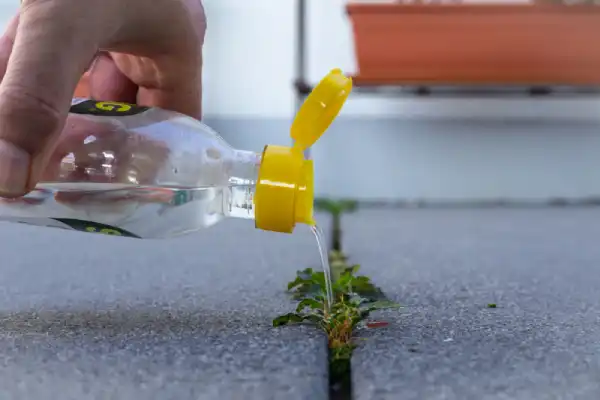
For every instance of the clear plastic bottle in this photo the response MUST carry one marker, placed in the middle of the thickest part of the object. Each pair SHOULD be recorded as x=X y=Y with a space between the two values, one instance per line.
x=142 y=172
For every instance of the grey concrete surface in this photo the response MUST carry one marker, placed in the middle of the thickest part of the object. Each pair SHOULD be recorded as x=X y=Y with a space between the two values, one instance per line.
x=86 y=316
x=542 y=269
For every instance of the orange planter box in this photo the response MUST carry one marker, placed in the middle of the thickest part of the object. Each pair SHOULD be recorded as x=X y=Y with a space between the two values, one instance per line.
x=539 y=44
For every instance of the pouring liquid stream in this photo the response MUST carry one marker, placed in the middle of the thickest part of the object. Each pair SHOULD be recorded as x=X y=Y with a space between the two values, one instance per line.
x=322 y=244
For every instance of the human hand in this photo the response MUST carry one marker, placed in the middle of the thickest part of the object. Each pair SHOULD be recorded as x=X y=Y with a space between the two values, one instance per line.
x=142 y=52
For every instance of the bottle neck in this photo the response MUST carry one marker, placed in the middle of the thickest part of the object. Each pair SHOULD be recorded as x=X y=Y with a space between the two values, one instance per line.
x=245 y=167
x=243 y=177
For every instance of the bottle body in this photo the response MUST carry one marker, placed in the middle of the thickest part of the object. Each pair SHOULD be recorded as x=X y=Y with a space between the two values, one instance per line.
x=132 y=171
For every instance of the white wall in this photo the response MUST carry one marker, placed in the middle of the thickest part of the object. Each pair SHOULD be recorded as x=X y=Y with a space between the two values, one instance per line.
x=382 y=148
x=250 y=54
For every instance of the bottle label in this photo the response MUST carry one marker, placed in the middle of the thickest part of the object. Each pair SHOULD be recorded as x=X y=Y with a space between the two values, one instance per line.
x=74 y=224
x=95 y=227
x=105 y=108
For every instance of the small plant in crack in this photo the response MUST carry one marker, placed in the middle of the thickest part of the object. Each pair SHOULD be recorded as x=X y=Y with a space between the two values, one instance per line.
x=355 y=298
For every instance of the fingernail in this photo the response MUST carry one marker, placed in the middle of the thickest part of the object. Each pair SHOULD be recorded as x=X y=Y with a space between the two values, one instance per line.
x=14 y=169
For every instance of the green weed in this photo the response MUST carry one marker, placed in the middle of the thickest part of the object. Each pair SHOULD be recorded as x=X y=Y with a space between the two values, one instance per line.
x=355 y=298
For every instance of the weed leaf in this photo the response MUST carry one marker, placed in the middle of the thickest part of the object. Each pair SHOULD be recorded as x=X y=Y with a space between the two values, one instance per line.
x=287 y=319
x=309 y=303
x=382 y=305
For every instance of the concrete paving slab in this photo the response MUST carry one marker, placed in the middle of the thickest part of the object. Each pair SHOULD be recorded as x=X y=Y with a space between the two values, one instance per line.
x=94 y=317
x=541 y=267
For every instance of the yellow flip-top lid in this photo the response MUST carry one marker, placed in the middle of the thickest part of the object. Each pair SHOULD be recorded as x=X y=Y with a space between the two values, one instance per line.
x=285 y=188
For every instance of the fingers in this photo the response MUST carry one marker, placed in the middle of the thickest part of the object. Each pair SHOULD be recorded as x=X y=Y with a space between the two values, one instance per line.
x=108 y=83
x=183 y=92
x=171 y=79
x=83 y=86
x=6 y=44
x=185 y=98
x=35 y=93
x=46 y=50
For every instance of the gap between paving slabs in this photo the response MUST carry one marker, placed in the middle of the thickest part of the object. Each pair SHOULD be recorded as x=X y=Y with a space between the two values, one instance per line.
x=355 y=298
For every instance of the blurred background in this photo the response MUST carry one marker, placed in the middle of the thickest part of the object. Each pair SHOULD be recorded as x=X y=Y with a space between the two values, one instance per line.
x=453 y=103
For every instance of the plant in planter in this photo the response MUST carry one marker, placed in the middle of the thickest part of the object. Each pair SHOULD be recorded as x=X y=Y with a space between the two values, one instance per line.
x=336 y=208
x=533 y=44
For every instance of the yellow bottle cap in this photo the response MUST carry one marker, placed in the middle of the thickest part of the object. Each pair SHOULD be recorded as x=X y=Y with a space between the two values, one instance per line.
x=285 y=188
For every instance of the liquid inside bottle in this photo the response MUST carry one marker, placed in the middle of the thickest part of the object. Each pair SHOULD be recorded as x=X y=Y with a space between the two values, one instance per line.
x=148 y=173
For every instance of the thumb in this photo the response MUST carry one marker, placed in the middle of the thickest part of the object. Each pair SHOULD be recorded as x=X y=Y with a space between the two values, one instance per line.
x=48 y=58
